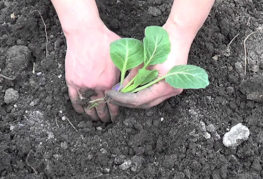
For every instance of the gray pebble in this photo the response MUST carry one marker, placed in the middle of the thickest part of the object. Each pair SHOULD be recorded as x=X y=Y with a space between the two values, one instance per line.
x=11 y=96
x=230 y=90
x=238 y=67
x=136 y=163
x=126 y=165
x=211 y=128
x=154 y=11
x=119 y=159
x=64 y=145
x=17 y=59
x=256 y=165
x=169 y=161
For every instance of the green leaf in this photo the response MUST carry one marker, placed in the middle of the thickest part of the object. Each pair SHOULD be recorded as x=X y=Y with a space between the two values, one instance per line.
x=156 y=45
x=143 y=77
x=187 y=77
x=126 y=53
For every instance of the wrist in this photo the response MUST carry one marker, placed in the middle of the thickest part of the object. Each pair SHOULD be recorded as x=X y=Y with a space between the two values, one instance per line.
x=74 y=15
x=181 y=37
x=181 y=32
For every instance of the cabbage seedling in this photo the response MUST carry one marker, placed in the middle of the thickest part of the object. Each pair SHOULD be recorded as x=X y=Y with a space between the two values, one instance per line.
x=128 y=53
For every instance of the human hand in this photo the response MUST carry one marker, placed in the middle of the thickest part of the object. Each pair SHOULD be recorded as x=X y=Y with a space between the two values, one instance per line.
x=89 y=69
x=180 y=46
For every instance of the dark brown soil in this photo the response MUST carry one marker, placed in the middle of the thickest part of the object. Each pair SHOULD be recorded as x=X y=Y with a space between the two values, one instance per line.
x=42 y=137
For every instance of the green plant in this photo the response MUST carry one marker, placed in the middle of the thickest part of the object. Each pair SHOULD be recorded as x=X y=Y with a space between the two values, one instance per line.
x=129 y=53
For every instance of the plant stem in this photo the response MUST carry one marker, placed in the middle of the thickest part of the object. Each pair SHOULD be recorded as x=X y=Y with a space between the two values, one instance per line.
x=149 y=84
x=122 y=78
x=129 y=84
x=97 y=100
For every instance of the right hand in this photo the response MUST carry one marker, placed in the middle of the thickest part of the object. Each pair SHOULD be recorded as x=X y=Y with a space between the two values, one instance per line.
x=89 y=69
x=161 y=91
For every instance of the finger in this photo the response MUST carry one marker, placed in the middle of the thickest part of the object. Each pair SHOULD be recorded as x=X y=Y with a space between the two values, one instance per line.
x=91 y=112
x=157 y=101
x=132 y=100
x=163 y=98
x=142 y=99
x=102 y=109
x=113 y=110
x=74 y=98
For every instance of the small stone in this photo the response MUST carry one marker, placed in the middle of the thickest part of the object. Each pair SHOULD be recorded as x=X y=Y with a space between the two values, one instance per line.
x=260 y=137
x=106 y=170
x=236 y=135
x=11 y=96
x=203 y=127
x=39 y=73
x=64 y=145
x=207 y=135
x=102 y=150
x=136 y=163
x=119 y=159
x=255 y=68
x=126 y=165
x=230 y=90
x=149 y=112
x=169 y=161
x=34 y=102
x=12 y=16
x=64 y=118
x=90 y=156
x=12 y=127
x=99 y=128
x=17 y=59
x=48 y=100
x=211 y=128
x=217 y=136
x=238 y=67
x=154 y=11
x=230 y=68
x=215 y=57
x=256 y=165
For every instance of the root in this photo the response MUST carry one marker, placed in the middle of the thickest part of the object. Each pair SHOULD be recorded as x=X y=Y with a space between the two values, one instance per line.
x=96 y=102
x=7 y=78
x=72 y=124
x=227 y=52
x=28 y=164
x=42 y=19
x=245 y=49
x=228 y=46
x=57 y=122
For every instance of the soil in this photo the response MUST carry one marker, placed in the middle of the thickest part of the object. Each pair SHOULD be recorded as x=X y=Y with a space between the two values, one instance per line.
x=42 y=137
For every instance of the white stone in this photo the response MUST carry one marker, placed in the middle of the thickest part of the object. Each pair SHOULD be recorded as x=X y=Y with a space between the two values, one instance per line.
x=236 y=135
x=126 y=165
x=11 y=96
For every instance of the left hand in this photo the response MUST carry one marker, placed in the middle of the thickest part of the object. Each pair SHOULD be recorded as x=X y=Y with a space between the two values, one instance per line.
x=161 y=91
